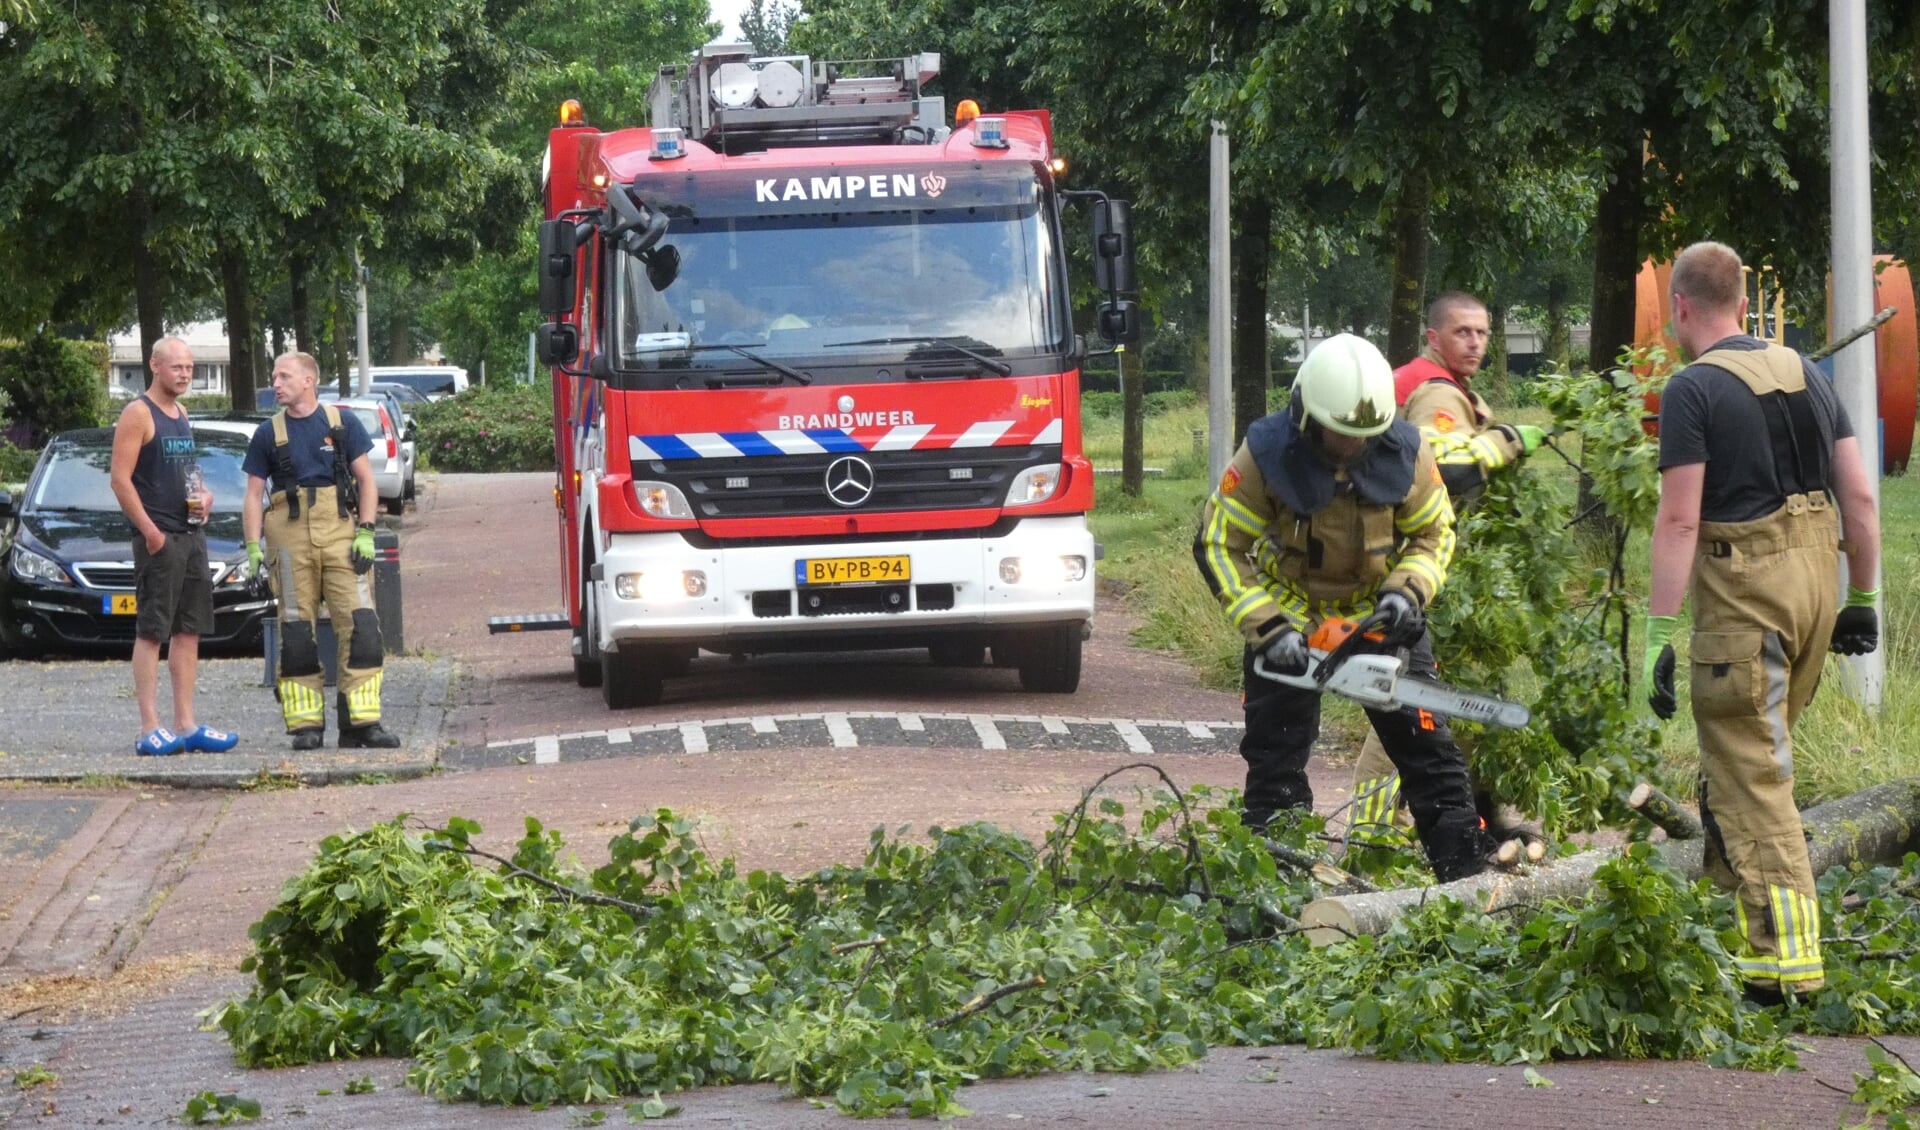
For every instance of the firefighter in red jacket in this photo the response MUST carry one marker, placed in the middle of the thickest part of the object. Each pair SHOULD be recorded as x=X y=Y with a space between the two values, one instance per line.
x=1434 y=392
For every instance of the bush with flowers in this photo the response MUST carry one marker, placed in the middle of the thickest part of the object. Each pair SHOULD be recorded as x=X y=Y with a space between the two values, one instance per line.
x=497 y=427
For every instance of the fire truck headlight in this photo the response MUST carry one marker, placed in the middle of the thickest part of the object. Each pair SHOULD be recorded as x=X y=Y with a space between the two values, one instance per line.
x=693 y=582
x=661 y=500
x=1043 y=572
x=1034 y=485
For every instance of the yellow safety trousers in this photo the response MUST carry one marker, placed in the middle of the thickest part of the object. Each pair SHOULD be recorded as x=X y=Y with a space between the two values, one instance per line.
x=307 y=557
x=1764 y=601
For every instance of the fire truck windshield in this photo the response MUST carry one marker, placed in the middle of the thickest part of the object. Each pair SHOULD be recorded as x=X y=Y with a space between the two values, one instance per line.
x=845 y=269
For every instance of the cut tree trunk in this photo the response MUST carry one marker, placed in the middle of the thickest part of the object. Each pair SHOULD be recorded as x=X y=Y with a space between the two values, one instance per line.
x=1875 y=826
x=1664 y=812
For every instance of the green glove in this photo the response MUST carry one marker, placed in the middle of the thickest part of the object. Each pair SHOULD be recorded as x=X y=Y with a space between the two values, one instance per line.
x=256 y=557
x=1531 y=437
x=362 y=553
x=1861 y=598
x=1656 y=672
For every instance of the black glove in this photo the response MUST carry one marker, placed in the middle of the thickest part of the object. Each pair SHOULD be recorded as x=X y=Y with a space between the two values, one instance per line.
x=1660 y=694
x=1286 y=653
x=1399 y=618
x=1856 y=632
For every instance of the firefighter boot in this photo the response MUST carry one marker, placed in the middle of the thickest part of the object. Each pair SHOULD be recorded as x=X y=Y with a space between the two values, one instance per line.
x=1517 y=840
x=369 y=735
x=307 y=739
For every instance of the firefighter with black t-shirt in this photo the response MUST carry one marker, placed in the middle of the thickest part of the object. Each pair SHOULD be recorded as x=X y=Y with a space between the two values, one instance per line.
x=318 y=522
x=1762 y=487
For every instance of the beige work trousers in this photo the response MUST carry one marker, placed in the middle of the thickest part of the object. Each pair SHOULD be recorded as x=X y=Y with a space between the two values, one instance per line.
x=308 y=559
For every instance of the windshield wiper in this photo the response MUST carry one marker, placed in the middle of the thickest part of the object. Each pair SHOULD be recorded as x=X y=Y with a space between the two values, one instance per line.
x=992 y=363
x=786 y=371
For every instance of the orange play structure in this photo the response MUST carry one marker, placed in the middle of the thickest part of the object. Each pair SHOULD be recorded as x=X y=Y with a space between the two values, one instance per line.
x=1896 y=343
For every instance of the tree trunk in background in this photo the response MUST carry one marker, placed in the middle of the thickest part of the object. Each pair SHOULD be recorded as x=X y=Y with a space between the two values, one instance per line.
x=149 y=287
x=1616 y=260
x=1494 y=381
x=1133 y=420
x=235 y=289
x=277 y=334
x=1616 y=266
x=1412 y=219
x=342 y=334
x=303 y=339
x=1250 y=368
x=399 y=338
x=1559 y=343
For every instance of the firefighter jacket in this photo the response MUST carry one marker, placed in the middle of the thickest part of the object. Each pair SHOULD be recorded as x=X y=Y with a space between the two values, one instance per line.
x=1288 y=539
x=1456 y=423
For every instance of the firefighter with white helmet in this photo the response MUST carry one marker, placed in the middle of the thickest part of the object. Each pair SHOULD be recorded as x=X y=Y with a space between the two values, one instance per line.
x=1333 y=508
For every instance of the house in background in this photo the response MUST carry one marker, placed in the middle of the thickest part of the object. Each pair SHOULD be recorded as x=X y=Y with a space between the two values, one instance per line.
x=127 y=366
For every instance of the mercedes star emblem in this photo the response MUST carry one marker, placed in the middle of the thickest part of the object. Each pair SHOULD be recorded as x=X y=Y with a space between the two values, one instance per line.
x=849 y=481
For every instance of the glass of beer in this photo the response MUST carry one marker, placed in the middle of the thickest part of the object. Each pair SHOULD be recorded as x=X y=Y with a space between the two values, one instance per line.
x=196 y=496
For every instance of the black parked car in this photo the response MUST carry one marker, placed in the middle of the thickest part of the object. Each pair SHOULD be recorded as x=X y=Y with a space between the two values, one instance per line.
x=66 y=550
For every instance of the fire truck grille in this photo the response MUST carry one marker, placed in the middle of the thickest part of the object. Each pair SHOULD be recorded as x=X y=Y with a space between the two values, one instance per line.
x=974 y=478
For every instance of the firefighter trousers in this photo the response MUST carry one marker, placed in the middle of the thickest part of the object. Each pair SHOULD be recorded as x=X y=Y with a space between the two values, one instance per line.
x=308 y=559
x=1282 y=724
x=1378 y=811
x=1764 y=601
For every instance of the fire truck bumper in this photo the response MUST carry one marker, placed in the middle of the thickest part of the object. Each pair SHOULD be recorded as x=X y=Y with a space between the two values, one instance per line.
x=660 y=588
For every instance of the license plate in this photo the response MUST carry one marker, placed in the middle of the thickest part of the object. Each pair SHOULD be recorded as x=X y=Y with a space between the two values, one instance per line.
x=852 y=570
x=119 y=604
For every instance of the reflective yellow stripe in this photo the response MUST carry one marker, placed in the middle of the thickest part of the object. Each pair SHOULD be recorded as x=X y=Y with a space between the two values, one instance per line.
x=1429 y=512
x=363 y=702
x=1236 y=513
x=301 y=705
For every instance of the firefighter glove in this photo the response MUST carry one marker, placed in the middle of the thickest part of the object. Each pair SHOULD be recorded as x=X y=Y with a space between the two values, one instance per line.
x=1531 y=437
x=1657 y=671
x=1400 y=618
x=1286 y=653
x=362 y=552
x=255 y=557
x=1857 y=631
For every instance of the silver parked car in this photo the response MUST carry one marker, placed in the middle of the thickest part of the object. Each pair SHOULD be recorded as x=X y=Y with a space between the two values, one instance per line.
x=393 y=450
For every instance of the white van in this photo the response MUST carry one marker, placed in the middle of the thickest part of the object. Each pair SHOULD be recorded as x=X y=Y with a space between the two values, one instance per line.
x=435 y=382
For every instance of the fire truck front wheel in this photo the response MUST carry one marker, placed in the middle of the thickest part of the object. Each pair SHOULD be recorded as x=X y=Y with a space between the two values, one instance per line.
x=1049 y=658
x=630 y=676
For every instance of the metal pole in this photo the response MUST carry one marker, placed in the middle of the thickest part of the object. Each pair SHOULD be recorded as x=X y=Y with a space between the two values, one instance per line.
x=1854 y=369
x=1219 y=308
x=360 y=325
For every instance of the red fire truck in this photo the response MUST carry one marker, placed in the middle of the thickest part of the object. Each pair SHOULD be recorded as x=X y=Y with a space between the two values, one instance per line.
x=815 y=380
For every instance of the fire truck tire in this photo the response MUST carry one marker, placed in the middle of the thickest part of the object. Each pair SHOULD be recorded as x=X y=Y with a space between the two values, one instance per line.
x=586 y=668
x=630 y=677
x=959 y=652
x=1050 y=659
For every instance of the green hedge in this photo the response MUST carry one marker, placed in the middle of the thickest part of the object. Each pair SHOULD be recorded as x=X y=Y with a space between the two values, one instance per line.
x=501 y=427
x=52 y=384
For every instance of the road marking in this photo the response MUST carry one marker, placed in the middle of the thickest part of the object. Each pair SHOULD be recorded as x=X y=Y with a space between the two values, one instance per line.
x=841 y=731
x=1136 y=741
x=988 y=730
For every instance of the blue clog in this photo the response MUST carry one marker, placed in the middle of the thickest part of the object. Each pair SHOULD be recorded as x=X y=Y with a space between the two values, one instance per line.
x=206 y=739
x=159 y=742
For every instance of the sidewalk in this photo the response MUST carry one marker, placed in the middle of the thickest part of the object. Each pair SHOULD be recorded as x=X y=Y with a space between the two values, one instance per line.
x=75 y=720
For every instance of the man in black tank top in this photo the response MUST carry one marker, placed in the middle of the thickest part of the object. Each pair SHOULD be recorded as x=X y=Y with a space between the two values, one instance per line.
x=153 y=450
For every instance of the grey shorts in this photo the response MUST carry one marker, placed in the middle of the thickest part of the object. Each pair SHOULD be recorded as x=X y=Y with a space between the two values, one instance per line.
x=174 y=588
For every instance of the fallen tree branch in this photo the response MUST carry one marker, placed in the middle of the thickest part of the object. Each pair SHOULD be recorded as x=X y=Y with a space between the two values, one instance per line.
x=513 y=871
x=1852 y=335
x=985 y=1000
x=1873 y=826
x=1664 y=812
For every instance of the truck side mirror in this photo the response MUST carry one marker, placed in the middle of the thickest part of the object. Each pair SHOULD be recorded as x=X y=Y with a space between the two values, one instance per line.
x=559 y=244
x=1120 y=321
x=557 y=343
x=1113 y=269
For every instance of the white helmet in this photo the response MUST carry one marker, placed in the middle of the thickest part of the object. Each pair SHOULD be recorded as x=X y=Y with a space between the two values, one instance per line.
x=1346 y=385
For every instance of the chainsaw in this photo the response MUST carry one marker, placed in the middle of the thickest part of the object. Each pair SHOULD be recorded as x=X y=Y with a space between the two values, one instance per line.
x=1339 y=660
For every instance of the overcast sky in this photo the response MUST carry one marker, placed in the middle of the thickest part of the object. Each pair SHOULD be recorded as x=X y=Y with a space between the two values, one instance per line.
x=728 y=12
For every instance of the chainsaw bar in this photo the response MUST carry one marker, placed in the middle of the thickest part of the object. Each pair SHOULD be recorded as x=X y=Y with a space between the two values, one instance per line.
x=1453 y=702
x=1374 y=681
